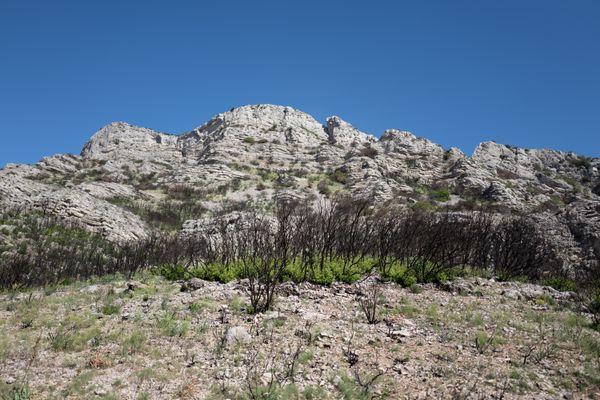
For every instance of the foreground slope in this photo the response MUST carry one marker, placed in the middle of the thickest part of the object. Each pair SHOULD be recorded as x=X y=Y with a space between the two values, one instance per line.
x=148 y=340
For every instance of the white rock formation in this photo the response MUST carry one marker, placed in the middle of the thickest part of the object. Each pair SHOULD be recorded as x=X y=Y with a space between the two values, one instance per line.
x=259 y=152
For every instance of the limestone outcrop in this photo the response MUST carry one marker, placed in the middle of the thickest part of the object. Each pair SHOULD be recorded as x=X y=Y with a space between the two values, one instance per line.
x=260 y=152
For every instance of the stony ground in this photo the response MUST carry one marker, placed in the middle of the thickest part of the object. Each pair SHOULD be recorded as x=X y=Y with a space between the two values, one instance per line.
x=147 y=339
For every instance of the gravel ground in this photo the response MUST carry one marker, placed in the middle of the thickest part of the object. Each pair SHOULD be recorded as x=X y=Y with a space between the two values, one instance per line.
x=147 y=339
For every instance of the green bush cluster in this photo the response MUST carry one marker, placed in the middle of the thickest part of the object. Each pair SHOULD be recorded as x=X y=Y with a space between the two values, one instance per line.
x=561 y=284
x=333 y=270
x=440 y=195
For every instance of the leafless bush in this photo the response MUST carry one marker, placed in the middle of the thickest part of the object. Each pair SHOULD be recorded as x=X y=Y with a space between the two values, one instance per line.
x=259 y=263
x=365 y=377
x=295 y=241
x=518 y=248
x=351 y=355
x=543 y=346
x=370 y=303
x=367 y=380
x=589 y=276
x=265 y=252
x=270 y=370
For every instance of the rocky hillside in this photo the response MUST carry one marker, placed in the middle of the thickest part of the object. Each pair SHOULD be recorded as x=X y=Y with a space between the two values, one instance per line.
x=129 y=180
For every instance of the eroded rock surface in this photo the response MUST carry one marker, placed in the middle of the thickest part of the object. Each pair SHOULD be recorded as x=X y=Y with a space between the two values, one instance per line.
x=261 y=152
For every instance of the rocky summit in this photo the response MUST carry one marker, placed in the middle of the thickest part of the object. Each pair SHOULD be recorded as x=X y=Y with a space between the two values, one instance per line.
x=260 y=152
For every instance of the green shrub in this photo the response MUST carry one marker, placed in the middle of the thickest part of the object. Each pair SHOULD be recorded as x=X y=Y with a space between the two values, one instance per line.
x=199 y=307
x=406 y=280
x=16 y=392
x=218 y=272
x=415 y=288
x=440 y=195
x=349 y=389
x=267 y=175
x=422 y=206
x=440 y=277
x=581 y=162
x=111 y=309
x=322 y=277
x=358 y=387
x=133 y=343
x=210 y=272
x=339 y=176
x=561 y=284
x=555 y=200
x=170 y=325
x=62 y=340
x=545 y=299
x=249 y=140
x=175 y=272
x=483 y=341
x=333 y=271
x=314 y=393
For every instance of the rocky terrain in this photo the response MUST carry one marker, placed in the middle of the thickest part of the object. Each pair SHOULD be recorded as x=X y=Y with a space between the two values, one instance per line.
x=148 y=339
x=256 y=153
x=158 y=266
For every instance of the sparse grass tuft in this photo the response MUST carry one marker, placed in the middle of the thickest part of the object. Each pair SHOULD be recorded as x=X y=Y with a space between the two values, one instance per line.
x=133 y=343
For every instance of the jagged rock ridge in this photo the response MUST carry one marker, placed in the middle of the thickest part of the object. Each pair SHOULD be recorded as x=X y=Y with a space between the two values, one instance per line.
x=259 y=152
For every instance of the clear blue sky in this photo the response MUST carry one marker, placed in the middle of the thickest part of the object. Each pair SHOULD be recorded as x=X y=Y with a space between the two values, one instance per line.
x=523 y=72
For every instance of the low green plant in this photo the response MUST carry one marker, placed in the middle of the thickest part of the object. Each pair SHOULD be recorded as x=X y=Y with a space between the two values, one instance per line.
x=546 y=299
x=16 y=392
x=133 y=343
x=305 y=357
x=339 y=176
x=483 y=341
x=581 y=162
x=590 y=346
x=62 y=339
x=561 y=284
x=361 y=386
x=314 y=393
x=170 y=325
x=415 y=288
x=334 y=270
x=406 y=308
x=111 y=309
x=237 y=304
x=78 y=386
x=423 y=206
x=442 y=195
x=200 y=306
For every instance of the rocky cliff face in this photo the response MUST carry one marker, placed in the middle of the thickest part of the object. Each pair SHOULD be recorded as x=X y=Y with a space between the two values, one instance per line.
x=256 y=153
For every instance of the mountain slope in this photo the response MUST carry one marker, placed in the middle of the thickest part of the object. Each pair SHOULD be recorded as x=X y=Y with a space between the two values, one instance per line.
x=126 y=176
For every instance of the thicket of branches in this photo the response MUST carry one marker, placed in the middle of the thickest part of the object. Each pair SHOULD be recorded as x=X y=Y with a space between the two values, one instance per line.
x=39 y=249
x=356 y=237
x=590 y=283
x=341 y=239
